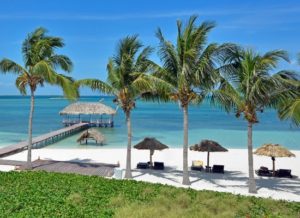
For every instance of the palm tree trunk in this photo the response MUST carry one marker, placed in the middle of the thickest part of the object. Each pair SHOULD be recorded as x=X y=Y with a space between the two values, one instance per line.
x=128 y=174
x=186 y=179
x=29 y=164
x=273 y=161
x=208 y=158
x=252 y=183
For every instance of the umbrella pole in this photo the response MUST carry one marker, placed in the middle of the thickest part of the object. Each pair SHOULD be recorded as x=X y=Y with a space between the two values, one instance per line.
x=208 y=158
x=151 y=159
x=273 y=159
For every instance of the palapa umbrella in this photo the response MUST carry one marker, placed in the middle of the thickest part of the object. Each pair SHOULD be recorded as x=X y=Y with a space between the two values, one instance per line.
x=151 y=144
x=273 y=151
x=91 y=134
x=208 y=146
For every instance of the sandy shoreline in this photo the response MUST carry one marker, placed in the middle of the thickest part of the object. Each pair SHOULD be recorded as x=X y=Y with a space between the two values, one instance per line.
x=234 y=180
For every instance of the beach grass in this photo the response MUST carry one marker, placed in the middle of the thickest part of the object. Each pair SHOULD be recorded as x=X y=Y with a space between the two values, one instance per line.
x=42 y=194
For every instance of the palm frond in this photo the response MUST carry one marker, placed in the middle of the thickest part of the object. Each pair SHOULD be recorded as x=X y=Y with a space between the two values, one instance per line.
x=29 y=53
x=143 y=64
x=61 y=61
x=44 y=70
x=272 y=57
x=290 y=109
x=168 y=55
x=68 y=86
x=22 y=82
x=9 y=66
x=95 y=84
x=225 y=96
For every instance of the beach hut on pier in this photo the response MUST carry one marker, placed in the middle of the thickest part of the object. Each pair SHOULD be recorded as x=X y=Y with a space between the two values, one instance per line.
x=96 y=114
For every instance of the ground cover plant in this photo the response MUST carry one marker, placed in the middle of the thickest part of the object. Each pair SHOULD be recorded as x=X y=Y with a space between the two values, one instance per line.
x=42 y=194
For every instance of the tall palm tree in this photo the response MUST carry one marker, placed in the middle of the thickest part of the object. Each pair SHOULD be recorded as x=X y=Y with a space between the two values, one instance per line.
x=40 y=65
x=249 y=87
x=129 y=78
x=190 y=66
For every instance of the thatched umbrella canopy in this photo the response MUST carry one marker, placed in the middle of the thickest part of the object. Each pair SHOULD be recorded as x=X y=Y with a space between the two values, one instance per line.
x=87 y=108
x=91 y=134
x=273 y=151
x=151 y=144
x=208 y=146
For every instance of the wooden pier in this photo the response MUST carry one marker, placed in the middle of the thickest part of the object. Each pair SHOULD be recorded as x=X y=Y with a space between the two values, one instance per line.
x=92 y=123
x=43 y=140
x=83 y=168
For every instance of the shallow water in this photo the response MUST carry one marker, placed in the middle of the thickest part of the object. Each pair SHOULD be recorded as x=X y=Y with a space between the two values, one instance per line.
x=163 y=121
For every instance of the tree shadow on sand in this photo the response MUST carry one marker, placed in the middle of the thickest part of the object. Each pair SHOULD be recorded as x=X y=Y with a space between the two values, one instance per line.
x=237 y=178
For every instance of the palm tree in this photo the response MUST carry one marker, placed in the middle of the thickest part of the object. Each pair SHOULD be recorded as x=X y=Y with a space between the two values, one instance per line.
x=190 y=66
x=129 y=78
x=40 y=64
x=249 y=88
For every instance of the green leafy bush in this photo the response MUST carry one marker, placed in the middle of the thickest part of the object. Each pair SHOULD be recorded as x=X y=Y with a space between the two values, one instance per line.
x=42 y=194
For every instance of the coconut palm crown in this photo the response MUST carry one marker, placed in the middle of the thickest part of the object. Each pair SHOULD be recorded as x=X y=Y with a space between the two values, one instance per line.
x=190 y=66
x=129 y=78
x=248 y=87
x=40 y=66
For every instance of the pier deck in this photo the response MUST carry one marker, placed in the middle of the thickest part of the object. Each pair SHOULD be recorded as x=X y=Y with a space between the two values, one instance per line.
x=83 y=168
x=97 y=169
x=43 y=140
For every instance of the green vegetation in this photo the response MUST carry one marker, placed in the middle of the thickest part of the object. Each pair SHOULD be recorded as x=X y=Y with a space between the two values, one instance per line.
x=68 y=195
x=40 y=66
x=290 y=107
x=190 y=66
x=129 y=78
x=248 y=87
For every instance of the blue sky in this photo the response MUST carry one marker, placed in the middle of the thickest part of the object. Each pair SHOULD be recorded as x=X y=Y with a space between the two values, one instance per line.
x=91 y=29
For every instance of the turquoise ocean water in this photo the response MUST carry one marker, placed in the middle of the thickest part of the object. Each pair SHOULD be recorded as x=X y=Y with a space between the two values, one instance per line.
x=163 y=121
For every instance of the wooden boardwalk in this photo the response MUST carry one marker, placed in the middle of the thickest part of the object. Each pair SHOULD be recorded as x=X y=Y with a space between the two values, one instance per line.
x=43 y=140
x=83 y=168
x=97 y=169
x=12 y=162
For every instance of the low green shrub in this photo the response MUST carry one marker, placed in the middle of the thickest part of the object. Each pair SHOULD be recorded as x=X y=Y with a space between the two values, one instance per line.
x=42 y=194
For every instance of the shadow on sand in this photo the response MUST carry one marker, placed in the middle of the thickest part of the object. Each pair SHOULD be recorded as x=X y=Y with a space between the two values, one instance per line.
x=232 y=178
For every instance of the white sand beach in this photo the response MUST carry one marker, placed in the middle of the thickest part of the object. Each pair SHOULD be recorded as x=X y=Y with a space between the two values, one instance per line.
x=234 y=180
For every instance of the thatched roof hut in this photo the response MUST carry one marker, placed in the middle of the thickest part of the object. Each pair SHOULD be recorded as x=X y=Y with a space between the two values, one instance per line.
x=208 y=146
x=87 y=108
x=91 y=134
x=273 y=151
